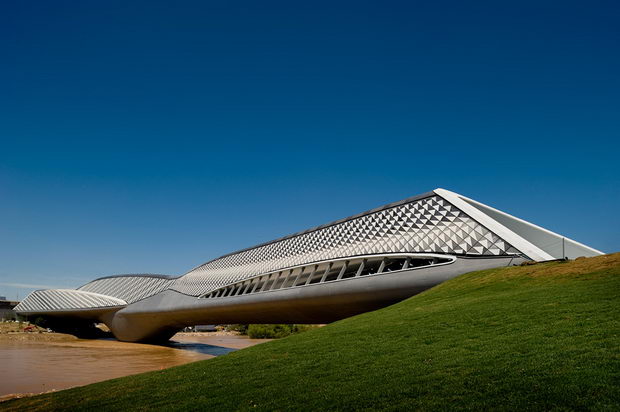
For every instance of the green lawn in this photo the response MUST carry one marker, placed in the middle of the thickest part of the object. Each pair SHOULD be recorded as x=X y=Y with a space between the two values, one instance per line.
x=545 y=336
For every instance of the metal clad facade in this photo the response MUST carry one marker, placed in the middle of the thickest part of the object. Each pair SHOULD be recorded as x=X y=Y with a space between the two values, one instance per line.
x=428 y=225
x=61 y=299
x=128 y=288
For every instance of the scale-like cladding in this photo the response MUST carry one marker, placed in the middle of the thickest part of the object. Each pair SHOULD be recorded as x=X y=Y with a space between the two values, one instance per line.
x=323 y=274
x=66 y=299
x=112 y=291
x=426 y=225
x=130 y=288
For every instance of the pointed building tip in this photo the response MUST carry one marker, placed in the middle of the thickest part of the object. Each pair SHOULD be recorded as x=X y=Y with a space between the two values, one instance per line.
x=441 y=190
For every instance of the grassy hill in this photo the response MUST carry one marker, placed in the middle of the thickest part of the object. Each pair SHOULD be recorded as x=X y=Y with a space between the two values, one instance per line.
x=545 y=336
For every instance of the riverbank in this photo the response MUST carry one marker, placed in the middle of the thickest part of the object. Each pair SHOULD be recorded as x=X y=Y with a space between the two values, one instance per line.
x=13 y=331
x=540 y=337
x=40 y=361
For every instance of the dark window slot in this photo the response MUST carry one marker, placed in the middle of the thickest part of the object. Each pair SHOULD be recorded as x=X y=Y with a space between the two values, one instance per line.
x=312 y=274
x=382 y=265
x=244 y=288
x=254 y=287
x=279 y=281
x=292 y=278
x=316 y=278
x=416 y=263
x=324 y=272
x=286 y=282
x=371 y=267
x=351 y=270
x=333 y=272
x=268 y=283
x=259 y=285
x=393 y=264
x=303 y=278
x=363 y=264
x=343 y=269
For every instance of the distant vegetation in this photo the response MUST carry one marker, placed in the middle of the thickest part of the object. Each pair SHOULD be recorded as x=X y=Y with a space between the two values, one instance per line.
x=270 y=331
x=276 y=331
x=541 y=337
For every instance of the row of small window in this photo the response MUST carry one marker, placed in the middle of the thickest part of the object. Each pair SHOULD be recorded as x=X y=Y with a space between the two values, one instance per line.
x=324 y=272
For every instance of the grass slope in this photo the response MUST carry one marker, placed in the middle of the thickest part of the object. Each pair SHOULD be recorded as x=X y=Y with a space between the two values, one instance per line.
x=545 y=336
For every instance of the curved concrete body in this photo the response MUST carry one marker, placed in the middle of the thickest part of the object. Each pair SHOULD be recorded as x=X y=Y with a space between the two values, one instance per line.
x=328 y=273
x=320 y=303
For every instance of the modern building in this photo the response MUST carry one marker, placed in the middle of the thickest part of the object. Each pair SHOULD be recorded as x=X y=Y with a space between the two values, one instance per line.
x=320 y=275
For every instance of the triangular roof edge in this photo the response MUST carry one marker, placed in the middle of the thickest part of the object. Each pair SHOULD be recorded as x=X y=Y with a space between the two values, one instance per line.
x=522 y=244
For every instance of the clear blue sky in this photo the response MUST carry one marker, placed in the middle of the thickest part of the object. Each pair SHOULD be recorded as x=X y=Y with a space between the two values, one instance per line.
x=155 y=136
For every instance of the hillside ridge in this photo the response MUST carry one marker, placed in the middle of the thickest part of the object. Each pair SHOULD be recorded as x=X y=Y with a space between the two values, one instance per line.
x=544 y=336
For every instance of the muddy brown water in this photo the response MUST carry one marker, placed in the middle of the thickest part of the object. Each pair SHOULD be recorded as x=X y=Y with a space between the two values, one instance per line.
x=42 y=366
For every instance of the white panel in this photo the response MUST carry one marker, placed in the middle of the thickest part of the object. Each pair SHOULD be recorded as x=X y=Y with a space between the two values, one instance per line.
x=536 y=242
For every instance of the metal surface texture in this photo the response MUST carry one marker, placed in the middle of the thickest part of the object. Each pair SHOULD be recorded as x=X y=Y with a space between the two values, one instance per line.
x=430 y=225
x=130 y=288
x=320 y=275
x=63 y=299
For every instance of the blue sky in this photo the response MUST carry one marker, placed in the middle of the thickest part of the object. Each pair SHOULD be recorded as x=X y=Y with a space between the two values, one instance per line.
x=154 y=136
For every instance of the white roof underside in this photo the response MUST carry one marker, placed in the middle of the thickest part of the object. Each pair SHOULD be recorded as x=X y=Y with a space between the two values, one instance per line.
x=534 y=241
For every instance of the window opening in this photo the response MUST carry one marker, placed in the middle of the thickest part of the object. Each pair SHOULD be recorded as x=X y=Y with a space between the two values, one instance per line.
x=382 y=265
x=312 y=275
x=334 y=271
x=351 y=270
x=279 y=281
x=301 y=279
x=361 y=268
x=392 y=265
x=371 y=267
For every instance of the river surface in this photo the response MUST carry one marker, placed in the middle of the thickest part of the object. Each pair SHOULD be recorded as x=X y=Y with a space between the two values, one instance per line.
x=40 y=366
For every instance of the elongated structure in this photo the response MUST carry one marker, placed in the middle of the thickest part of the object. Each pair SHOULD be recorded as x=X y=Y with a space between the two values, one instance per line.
x=321 y=275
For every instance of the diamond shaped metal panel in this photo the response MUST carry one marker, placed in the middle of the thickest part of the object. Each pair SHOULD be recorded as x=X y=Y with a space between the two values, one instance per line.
x=128 y=288
x=65 y=299
x=428 y=225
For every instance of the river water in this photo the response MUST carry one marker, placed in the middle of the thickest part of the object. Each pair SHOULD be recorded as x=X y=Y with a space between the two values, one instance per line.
x=42 y=366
